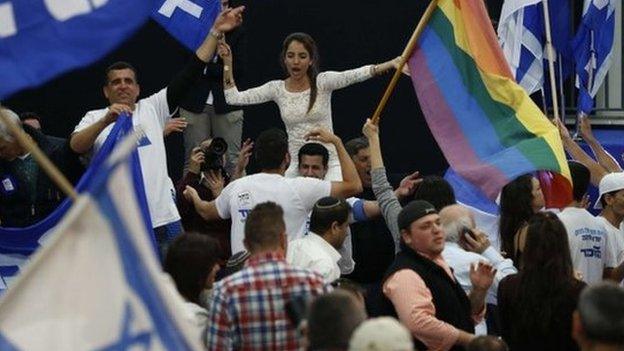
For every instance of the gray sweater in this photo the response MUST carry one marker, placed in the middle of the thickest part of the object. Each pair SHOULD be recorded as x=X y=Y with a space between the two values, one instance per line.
x=388 y=203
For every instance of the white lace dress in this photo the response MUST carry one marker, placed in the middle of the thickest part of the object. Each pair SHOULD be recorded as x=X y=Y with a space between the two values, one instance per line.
x=294 y=110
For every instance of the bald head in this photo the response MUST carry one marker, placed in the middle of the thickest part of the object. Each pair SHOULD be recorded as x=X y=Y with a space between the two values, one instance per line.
x=453 y=218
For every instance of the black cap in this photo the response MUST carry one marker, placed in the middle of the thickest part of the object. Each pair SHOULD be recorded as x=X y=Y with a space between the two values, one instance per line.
x=413 y=212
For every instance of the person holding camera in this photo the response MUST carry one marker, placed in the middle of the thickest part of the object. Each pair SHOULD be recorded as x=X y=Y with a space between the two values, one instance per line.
x=207 y=175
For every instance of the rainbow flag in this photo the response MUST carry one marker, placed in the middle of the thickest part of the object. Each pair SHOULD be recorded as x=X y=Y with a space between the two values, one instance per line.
x=488 y=128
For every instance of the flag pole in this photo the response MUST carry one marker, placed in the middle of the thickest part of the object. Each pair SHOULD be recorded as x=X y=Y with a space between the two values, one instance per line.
x=44 y=162
x=550 y=54
x=404 y=57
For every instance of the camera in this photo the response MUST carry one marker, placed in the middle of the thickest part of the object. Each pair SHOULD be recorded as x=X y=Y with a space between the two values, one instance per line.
x=213 y=155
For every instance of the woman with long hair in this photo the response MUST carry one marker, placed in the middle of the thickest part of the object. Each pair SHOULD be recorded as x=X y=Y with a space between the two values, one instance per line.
x=520 y=200
x=536 y=305
x=304 y=97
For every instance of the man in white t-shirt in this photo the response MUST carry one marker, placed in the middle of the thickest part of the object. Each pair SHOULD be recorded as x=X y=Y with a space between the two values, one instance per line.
x=318 y=250
x=150 y=115
x=296 y=196
x=611 y=201
x=590 y=248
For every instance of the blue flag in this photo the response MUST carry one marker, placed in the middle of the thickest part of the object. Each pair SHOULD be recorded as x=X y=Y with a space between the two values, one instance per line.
x=189 y=21
x=18 y=244
x=97 y=283
x=40 y=39
x=593 y=45
x=522 y=35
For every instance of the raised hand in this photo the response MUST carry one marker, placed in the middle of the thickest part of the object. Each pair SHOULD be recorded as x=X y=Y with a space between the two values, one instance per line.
x=215 y=181
x=224 y=51
x=370 y=129
x=478 y=243
x=585 y=129
x=322 y=135
x=482 y=275
x=229 y=19
x=196 y=160
x=408 y=185
x=243 y=158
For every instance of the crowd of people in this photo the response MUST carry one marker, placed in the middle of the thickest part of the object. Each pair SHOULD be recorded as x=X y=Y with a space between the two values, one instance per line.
x=321 y=249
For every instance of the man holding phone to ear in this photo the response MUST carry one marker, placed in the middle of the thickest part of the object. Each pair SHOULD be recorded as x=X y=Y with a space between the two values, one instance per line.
x=465 y=244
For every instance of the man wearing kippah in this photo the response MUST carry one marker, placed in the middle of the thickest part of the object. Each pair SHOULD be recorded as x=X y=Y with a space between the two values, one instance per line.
x=419 y=287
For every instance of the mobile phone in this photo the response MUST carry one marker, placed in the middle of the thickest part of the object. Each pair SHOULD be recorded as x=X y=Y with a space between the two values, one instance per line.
x=465 y=230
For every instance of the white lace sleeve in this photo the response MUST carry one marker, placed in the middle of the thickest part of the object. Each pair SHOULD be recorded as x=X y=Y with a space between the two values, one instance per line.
x=257 y=95
x=331 y=80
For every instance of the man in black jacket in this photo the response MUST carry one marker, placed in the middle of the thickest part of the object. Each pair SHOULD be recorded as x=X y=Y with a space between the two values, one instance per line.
x=27 y=195
x=204 y=108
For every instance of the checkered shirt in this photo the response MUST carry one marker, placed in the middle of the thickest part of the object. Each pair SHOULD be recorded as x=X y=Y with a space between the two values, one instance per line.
x=248 y=308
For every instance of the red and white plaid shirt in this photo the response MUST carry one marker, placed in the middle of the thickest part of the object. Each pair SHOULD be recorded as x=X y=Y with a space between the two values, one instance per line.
x=248 y=308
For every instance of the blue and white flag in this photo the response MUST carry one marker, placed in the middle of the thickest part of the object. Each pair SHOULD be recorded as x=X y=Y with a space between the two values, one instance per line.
x=18 y=244
x=593 y=45
x=40 y=39
x=189 y=21
x=97 y=284
x=522 y=35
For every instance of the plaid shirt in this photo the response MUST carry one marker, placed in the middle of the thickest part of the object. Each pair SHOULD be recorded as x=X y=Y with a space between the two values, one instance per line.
x=248 y=308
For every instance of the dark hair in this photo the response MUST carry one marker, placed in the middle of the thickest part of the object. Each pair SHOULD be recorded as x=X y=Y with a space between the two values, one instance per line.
x=313 y=71
x=29 y=115
x=314 y=149
x=487 y=343
x=326 y=211
x=190 y=259
x=546 y=277
x=435 y=190
x=270 y=148
x=354 y=146
x=580 y=179
x=601 y=308
x=515 y=211
x=119 y=66
x=332 y=318
x=264 y=226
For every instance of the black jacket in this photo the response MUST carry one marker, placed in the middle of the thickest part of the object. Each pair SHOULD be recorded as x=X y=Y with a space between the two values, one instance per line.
x=212 y=79
x=17 y=208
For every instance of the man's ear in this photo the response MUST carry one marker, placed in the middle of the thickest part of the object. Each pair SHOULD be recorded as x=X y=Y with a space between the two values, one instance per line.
x=406 y=237
x=284 y=241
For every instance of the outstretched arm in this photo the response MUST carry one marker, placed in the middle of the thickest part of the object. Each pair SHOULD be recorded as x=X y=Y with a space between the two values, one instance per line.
x=332 y=80
x=578 y=154
x=604 y=158
x=183 y=81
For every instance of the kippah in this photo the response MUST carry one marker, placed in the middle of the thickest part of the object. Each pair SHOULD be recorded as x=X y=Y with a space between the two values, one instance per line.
x=327 y=202
x=413 y=212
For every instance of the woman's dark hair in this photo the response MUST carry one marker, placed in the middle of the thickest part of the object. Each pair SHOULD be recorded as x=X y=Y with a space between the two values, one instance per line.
x=435 y=190
x=190 y=259
x=515 y=211
x=310 y=45
x=546 y=276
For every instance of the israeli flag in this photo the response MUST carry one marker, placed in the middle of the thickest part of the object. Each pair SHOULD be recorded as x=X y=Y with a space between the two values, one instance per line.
x=189 y=21
x=593 y=47
x=18 y=244
x=522 y=36
x=40 y=39
x=97 y=285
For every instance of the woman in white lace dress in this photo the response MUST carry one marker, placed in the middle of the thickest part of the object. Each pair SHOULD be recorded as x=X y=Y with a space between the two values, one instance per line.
x=304 y=97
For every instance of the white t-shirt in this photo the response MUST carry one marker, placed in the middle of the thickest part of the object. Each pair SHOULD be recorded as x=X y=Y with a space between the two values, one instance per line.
x=150 y=114
x=297 y=196
x=616 y=236
x=590 y=247
x=314 y=253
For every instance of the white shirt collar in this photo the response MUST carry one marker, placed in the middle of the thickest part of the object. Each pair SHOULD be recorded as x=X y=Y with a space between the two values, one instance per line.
x=323 y=244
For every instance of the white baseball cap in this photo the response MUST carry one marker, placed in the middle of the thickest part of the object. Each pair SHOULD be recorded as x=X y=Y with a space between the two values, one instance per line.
x=609 y=183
